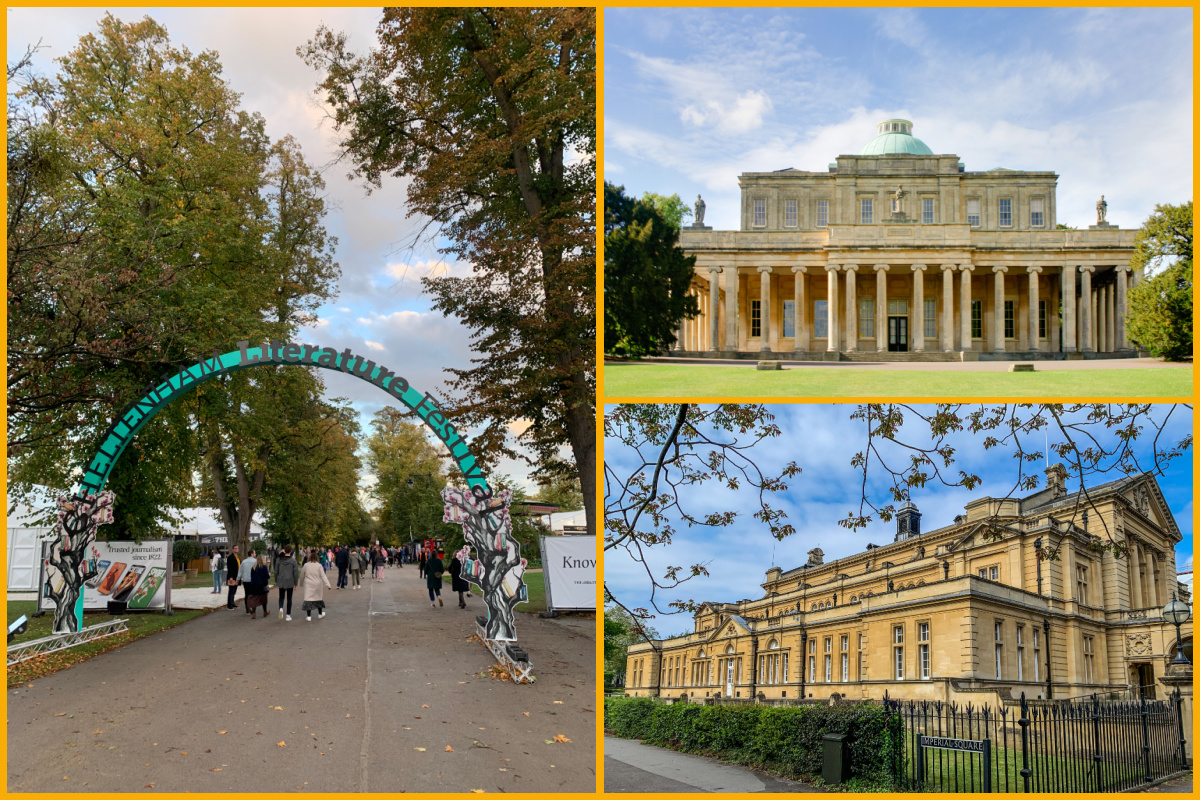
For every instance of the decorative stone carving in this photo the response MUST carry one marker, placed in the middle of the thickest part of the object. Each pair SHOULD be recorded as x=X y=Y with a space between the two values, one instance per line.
x=1141 y=500
x=816 y=556
x=1138 y=644
x=699 y=210
x=1101 y=211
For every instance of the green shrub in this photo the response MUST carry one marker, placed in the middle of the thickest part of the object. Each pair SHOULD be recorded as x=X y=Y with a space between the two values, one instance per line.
x=785 y=740
x=184 y=550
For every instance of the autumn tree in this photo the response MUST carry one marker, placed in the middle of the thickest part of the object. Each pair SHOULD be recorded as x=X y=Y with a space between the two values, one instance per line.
x=489 y=113
x=1160 y=307
x=646 y=274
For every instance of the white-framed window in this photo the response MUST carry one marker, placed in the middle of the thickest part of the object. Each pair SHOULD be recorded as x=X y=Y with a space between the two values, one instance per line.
x=866 y=214
x=973 y=212
x=897 y=308
x=845 y=667
x=812 y=669
x=789 y=213
x=1037 y=656
x=898 y=651
x=1020 y=652
x=1005 y=212
x=821 y=317
x=994 y=573
x=760 y=214
x=930 y=319
x=789 y=317
x=866 y=317
x=822 y=213
x=1089 y=659
x=1081 y=584
x=812 y=645
x=927 y=210
x=1010 y=319
x=923 y=648
x=1037 y=216
x=829 y=669
x=828 y=644
x=999 y=650
x=756 y=317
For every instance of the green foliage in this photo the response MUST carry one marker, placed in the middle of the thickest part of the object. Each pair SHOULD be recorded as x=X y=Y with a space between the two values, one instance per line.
x=784 y=740
x=185 y=550
x=646 y=275
x=562 y=491
x=1160 y=308
x=672 y=209
x=620 y=631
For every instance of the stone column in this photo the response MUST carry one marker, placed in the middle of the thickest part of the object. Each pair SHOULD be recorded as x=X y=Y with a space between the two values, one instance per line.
x=918 y=332
x=1152 y=587
x=801 y=298
x=881 y=308
x=1068 y=305
x=965 y=302
x=764 y=278
x=948 y=307
x=1136 y=598
x=1121 y=310
x=731 y=308
x=831 y=309
x=1110 y=322
x=1034 y=332
x=1085 y=311
x=1052 y=323
x=679 y=334
x=1101 y=320
x=714 y=307
x=998 y=310
x=1096 y=327
x=851 y=307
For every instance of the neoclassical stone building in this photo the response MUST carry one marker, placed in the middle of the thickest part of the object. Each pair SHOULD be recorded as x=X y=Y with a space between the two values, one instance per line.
x=966 y=611
x=897 y=253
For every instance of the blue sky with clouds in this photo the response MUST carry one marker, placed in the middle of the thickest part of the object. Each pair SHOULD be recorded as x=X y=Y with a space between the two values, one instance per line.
x=381 y=310
x=821 y=439
x=696 y=96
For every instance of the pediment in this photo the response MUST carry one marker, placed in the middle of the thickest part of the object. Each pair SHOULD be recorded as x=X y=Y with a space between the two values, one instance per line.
x=734 y=626
x=1146 y=498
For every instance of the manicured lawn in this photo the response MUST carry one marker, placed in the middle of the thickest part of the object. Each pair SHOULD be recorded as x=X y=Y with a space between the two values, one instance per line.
x=141 y=623
x=681 y=380
x=534 y=582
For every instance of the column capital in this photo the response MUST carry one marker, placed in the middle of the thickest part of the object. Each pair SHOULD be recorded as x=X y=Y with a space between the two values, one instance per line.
x=949 y=267
x=764 y=269
x=1087 y=268
x=715 y=270
x=851 y=267
x=881 y=267
x=831 y=267
x=1122 y=268
x=1034 y=270
x=920 y=267
x=799 y=270
x=1000 y=269
x=966 y=267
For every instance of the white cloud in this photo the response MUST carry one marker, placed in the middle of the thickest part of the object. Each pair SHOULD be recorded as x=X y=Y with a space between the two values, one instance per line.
x=741 y=113
x=374 y=345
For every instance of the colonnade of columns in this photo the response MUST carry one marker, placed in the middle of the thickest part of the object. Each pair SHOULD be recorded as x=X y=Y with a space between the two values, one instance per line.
x=1144 y=567
x=1092 y=319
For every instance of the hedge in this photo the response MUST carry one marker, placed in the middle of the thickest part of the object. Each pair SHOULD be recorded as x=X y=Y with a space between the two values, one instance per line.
x=785 y=740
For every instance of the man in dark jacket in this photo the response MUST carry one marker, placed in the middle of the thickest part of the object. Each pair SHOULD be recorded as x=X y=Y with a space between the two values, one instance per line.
x=232 y=568
x=287 y=576
x=342 y=559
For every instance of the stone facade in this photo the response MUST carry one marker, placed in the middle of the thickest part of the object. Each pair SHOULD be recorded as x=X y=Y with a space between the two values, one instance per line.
x=965 y=612
x=908 y=254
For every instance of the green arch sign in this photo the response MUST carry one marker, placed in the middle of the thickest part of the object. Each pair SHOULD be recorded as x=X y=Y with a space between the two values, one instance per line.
x=126 y=424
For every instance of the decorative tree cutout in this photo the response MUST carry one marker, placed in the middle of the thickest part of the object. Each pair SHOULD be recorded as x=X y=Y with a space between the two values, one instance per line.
x=68 y=566
x=498 y=567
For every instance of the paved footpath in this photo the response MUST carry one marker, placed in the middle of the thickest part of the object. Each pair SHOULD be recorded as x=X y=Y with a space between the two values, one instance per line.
x=367 y=699
x=630 y=766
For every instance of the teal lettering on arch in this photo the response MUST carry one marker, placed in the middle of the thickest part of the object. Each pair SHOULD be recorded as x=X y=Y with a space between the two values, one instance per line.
x=127 y=424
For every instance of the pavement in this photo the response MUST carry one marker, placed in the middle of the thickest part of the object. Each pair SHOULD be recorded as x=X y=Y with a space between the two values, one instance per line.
x=927 y=366
x=384 y=694
x=1181 y=784
x=630 y=766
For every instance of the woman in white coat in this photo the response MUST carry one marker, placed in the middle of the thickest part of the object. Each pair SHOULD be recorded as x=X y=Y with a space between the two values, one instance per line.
x=315 y=582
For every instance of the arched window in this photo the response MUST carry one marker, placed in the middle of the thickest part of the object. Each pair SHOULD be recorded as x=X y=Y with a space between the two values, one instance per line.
x=773 y=645
x=853 y=598
x=728 y=649
x=814 y=606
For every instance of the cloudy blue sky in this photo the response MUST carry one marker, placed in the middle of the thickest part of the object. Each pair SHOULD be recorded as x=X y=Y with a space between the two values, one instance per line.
x=696 y=96
x=821 y=439
x=380 y=310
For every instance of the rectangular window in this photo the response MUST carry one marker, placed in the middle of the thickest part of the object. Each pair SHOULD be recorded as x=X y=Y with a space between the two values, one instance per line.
x=845 y=643
x=1037 y=217
x=821 y=317
x=897 y=308
x=760 y=213
x=789 y=213
x=930 y=319
x=927 y=210
x=1037 y=656
x=822 y=213
x=867 y=210
x=1081 y=582
x=1005 y=213
x=1041 y=319
x=976 y=319
x=845 y=667
x=1009 y=322
x=973 y=212
x=828 y=644
x=983 y=573
x=999 y=652
x=756 y=317
x=1020 y=652
x=789 y=318
x=994 y=573
x=866 y=317
x=898 y=651
x=829 y=669
x=1089 y=655
x=812 y=669
x=923 y=648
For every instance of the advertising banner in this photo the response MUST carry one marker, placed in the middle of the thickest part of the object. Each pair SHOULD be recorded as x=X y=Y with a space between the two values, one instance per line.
x=135 y=573
x=569 y=569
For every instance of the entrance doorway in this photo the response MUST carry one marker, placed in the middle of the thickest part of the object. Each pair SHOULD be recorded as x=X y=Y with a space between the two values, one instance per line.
x=897 y=326
x=729 y=677
x=1143 y=674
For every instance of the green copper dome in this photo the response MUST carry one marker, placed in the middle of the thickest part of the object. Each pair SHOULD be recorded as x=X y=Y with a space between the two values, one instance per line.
x=895 y=138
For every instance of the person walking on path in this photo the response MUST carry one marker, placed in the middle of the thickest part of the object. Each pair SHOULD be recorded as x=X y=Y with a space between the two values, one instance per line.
x=355 y=561
x=342 y=559
x=433 y=580
x=457 y=584
x=421 y=564
x=245 y=576
x=233 y=565
x=218 y=568
x=257 y=589
x=287 y=575
x=380 y=560
x=315 y=582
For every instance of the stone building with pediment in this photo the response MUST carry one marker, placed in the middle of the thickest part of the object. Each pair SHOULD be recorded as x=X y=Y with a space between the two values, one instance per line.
x=897 y=253
x=972 y=610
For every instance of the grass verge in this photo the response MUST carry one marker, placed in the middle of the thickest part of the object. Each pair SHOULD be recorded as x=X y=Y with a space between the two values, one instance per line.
x=141 y=624
x=534 y=582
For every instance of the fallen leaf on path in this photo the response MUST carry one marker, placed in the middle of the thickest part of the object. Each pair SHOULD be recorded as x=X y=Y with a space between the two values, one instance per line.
x=526 y=713
x=561 y=739
x=278 y=708
x=346 y=715
x=449 y=749
x=558 y=702
x=148 y=786
x=283 y=744
x=222 y=732
x=64 y=714
x=183 y=753
x=419 y=749
x=96 y=732
x=215 y=769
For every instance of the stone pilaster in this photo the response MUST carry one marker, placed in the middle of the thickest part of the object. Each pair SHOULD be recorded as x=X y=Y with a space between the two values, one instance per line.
x=1034 y=332
x=764 y=278
x=881 y=308
x=1085 y=302
x=1110 y=327
x=1122 y=302
x=731 y=308
x=714 y=306
x=965 y=303
x=998 y=310
x=948 y=307
x=851 y=307
x=917 y=334
x=1070 y=343
x=831 y=281
x=801 y=297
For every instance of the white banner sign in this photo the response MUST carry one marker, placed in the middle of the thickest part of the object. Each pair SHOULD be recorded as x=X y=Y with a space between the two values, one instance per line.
x=569 y=569
x=136 y=573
